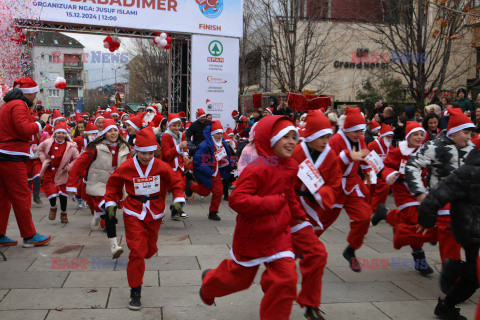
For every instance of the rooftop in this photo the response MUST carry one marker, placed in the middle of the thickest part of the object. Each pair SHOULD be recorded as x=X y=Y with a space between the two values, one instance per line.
x=56 y=39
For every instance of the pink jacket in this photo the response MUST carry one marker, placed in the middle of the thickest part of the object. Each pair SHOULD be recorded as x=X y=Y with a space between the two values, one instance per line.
x=71 y=154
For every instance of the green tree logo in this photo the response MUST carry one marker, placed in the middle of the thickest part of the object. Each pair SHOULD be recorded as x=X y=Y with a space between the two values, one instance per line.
x=215 y=48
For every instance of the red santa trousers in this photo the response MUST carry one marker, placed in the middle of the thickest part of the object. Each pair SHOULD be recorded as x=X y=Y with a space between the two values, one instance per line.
x=278 y=282
x=217 y=191
x=14 y=188
x=404 y=223
x=34 y=166
x=448 y=246
x=379 y=193
x=359 y=212
x=313 y=259
x=142 y=242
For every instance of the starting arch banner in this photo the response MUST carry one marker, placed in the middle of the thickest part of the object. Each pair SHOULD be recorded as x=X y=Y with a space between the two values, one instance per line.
x=212 y=17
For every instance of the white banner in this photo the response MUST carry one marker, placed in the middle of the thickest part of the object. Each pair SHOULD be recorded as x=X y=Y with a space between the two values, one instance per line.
x=215 y=77
x=214 y=17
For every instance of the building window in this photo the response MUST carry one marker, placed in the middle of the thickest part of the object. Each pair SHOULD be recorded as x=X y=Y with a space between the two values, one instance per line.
x=54 y=93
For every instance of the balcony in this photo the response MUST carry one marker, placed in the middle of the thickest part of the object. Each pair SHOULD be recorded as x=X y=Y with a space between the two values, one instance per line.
x=73 y=65
x=74 y=83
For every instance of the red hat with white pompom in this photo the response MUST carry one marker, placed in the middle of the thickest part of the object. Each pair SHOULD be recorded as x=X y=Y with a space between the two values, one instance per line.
x=27 y=85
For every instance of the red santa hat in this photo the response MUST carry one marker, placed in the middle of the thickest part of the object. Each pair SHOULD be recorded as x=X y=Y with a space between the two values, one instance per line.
x=124 y=114
x=354 y=120
x=182 y=114
x=153 y=108
x=99 y=109
x=156 y=121
x=107 y=125
x=78 y=118
x=317 y=125
x=235 y=113
x=269 y=109
x=216 y=127
x=280 y=129
x=136 y=122
x=230 y=132
x=172 y=118
x=386 y=130
x=99 y=116
x=57 y=116
x=27 y=85
x=188 y=124
x=48 y=111
x=84 y=114
x=226 y=137
x=200 y=113
x=91 y=128
x=411 y=127
x=61 y=127
x=145 y=140
x=458 y=121
x=374 y=126
x=114 y=111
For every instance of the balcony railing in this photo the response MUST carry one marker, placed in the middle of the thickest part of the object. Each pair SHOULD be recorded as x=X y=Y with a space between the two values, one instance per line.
x=74 y=82
x=76 y=65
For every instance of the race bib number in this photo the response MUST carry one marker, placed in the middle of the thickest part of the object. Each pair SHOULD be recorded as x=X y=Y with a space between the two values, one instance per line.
x=146 y=186
x=403 y=164
x=374 y=161
x=220 y=154
x=310 y=176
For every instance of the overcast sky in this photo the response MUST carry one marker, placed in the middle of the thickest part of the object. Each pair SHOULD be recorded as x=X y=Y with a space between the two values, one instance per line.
x=101 y=73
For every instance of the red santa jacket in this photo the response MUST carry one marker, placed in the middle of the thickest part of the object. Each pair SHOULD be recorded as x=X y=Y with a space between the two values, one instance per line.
x=393 y=164
x=476 y=140
x=172 y=154
x=240 y=127
x=17 y=128
x=81 y=143
x=265 y=201
x=153 y=180
x=380 y=147
x=351 y=180
x=329 y=168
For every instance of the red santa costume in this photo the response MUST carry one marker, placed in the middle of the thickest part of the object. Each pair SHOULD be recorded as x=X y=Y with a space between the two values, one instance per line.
x=264 y=199
x=305 y=242
x=123 y=129
x=476 y=140
x=90 y=134
x=34 y=165
x=354 y=195
x=241 y=123
x=17 y=130
x=381 y=145
x=97 y=163
x=144 y=207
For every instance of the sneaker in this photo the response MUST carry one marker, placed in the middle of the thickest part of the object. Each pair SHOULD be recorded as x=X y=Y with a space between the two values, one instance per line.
x=7 y=242
x=36 y=241
x=183 y=215
x=207 y=301
x=37 y=200
x=116 y=250
x=175 y=214
x=212 y=215
x=52 y=214
x=313 y=313
x=451 y=271
x=135 y=303
x=444 y=311
x=349 y=254
x=421 y=264
x=379 y=214
x=79 y=204
x=95 y=223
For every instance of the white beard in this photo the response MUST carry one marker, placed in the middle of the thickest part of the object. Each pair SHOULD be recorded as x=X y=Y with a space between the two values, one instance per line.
x=387 y=142
x=148 y=117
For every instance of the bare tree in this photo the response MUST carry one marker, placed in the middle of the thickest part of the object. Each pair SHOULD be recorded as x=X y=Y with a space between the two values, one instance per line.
x=94 y=98
x=293 y=38
x=148 y=71
x=429 y=43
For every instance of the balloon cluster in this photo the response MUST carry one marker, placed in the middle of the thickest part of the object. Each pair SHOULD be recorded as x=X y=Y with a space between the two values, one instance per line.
x=163 y=40
x=60 y=83
x=111 y=43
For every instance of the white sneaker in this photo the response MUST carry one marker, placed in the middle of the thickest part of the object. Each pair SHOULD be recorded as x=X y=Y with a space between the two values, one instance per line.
x=95 y=223
x=116 y=250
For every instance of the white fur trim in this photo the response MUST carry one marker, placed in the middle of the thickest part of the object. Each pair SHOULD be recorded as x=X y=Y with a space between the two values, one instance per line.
x=408 y=204
x=390 y=175
x=318 y=134
x=16 y=153
x=459 y=128
x=95 y=121
x=217 y=131
x=202 y=116
x=300 y=226
x=375 y=129
x=179 y=200
x=133 y=125
x=386 y=134
x=30 y=90
x=344 y=157
x=355 y=128
x=153 y=109
x=91 y=132
x=60 y=130
x=338 y=206
x=110 y=204
x=108 y=129
x=256 y=262
x=173 y=121
x=282 y=133
x=71 y=189
x=444 y=212
x=415 y=130
x=62 y=117
x=146 y=149
x=39 y=127
x=404 y=149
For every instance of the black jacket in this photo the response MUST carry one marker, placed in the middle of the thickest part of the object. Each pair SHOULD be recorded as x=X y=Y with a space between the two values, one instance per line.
x=196 y=130
x=17 y=94
x=461 y=189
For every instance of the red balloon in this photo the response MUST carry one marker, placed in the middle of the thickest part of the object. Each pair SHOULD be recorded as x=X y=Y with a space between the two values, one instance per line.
x=108 y=39
x=61 y=85
x=112 y=49
x=167 y=46
x=169 y=39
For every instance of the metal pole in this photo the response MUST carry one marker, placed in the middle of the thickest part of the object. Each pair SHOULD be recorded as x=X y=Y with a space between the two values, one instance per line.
x=170 y=80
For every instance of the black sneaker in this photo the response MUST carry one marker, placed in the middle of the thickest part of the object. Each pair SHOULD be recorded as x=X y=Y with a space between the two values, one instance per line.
x=451 y=271
x=212 y=215
x=175 y=214
x=421 y=264
x=135 y=303
x=37 y=200
x=444 y=311
x=313 y=313
x=379 y=214
x=349 y=254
